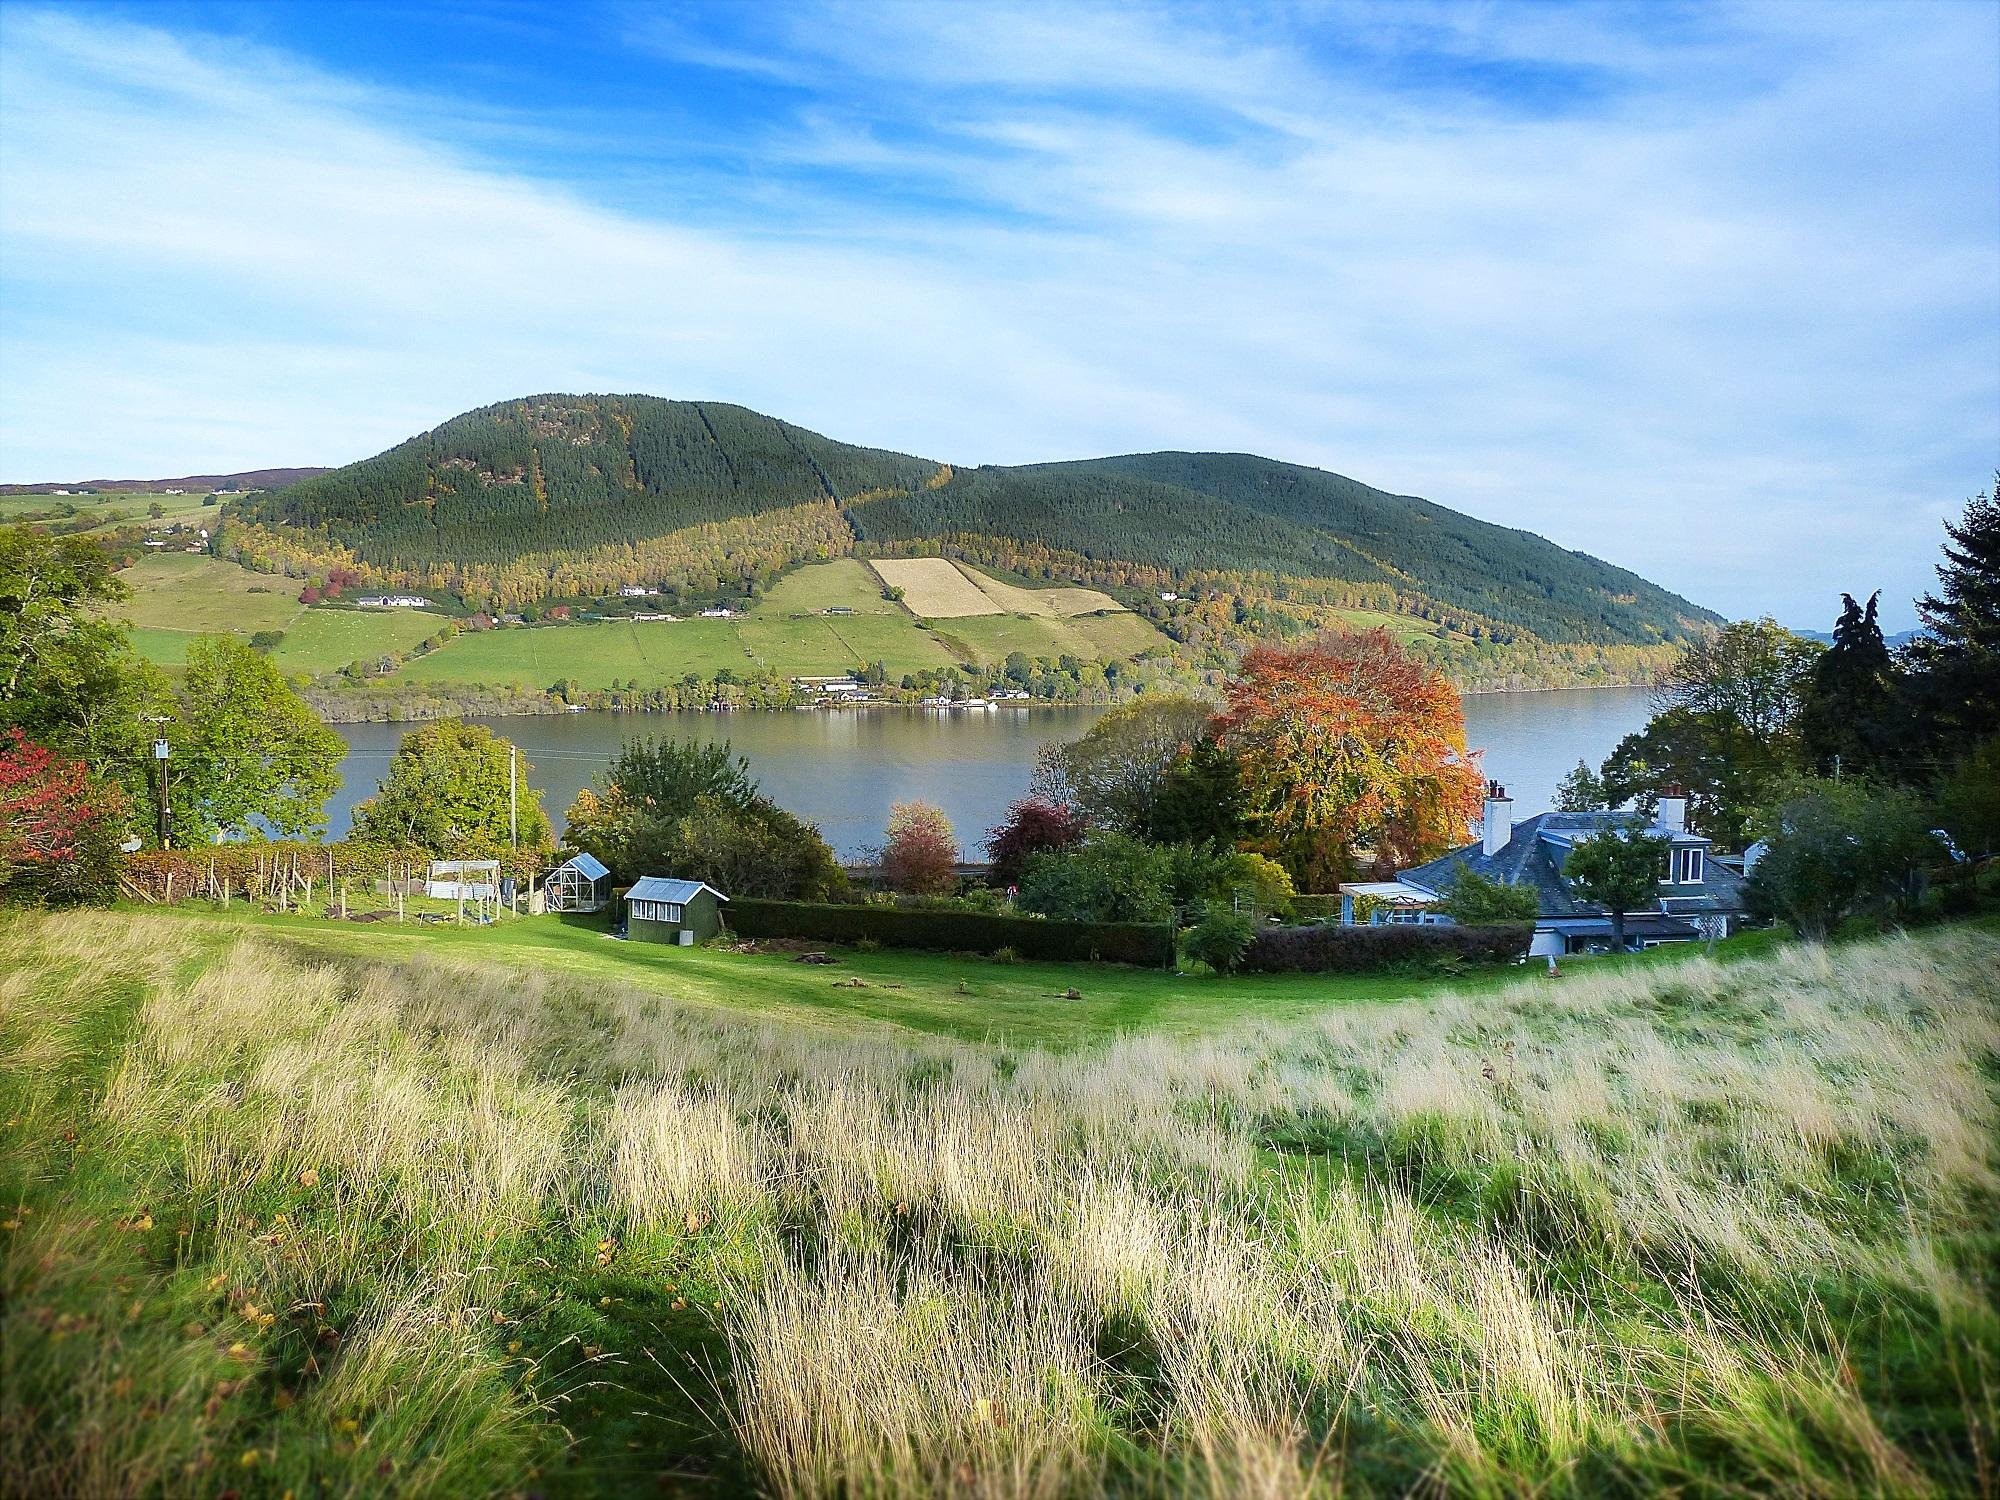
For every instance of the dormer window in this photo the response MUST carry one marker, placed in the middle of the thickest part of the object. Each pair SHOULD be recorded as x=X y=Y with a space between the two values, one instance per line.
x=1683 y=866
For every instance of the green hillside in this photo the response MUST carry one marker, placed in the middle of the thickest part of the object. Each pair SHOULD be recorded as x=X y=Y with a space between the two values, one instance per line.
x=571 y=497
x=1190 y=512
x=569 y=473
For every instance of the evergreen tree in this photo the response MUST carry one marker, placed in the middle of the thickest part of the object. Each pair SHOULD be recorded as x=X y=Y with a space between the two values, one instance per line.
x=1958 y=657
x=1853 y=711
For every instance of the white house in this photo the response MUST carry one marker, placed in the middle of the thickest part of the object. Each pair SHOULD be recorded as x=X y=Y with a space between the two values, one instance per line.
x=636 y=591
x=392 y=601
x=718 y=613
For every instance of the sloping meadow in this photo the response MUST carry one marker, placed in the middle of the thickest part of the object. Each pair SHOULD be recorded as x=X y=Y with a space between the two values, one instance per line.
x=277 y=1226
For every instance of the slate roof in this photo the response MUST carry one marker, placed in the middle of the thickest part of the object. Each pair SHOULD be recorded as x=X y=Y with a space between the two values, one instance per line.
x=660 y=888
x=586 y=865
x=1533 y=856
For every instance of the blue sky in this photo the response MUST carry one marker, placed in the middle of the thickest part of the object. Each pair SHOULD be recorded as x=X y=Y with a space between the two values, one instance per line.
x=1709 y=290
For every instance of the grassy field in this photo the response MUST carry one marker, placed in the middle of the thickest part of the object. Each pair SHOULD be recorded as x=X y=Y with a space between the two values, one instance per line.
x=784 y=632
x=301 y=1209
x=844 y=583
x=175 y=597
x=110 y=510
x=595 y=654
x=195 y=594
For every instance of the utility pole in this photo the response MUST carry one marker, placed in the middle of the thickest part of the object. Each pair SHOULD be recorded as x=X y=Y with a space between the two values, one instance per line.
x=161 y=751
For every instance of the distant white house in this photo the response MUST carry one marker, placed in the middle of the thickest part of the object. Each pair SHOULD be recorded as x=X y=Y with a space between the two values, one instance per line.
x=636 y=591
x=392 y=601
x=1169 y=597
x=653 y=617
x=720 y=612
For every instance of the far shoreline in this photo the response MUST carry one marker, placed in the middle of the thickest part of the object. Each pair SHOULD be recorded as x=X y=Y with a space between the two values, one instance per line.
x=514 y=709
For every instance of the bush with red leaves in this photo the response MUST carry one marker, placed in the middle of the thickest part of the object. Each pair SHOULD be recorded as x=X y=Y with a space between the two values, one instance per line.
x=59 y=827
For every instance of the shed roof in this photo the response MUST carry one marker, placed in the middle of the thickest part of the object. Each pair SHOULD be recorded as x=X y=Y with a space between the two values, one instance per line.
x=660 y=888
x=586 y=864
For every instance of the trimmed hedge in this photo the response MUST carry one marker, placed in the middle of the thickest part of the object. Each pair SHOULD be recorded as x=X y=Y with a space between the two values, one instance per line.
x=1329 y=950
x=1147 y=943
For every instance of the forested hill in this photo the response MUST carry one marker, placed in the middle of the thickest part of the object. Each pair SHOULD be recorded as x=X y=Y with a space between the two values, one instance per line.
x=1187 y=512
x=570 y=496
x=566 y=474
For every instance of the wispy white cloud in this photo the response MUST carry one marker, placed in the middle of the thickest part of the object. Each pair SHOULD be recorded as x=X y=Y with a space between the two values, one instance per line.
x=1716 y=300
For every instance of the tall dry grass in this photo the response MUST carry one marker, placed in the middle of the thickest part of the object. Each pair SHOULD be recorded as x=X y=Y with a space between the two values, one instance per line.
x=1687 y=1226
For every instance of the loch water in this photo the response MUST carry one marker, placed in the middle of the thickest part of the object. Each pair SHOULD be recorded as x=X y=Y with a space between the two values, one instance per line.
x=843 y=768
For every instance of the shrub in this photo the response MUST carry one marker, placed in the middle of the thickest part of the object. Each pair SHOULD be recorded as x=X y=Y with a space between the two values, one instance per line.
x=1220 y=940
x=1113 y=878
x=1330 y=950
x=59 y=827
x=1838 y=847
x=921 y=852
x=1147 y=943
x=1476 y=901
x=1034 y=826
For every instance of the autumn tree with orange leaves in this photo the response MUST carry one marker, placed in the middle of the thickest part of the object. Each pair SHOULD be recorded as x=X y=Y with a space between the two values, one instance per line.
x=1353 y=753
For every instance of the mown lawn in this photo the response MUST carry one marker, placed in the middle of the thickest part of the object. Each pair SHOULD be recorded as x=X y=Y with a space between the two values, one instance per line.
x=1020 y=1004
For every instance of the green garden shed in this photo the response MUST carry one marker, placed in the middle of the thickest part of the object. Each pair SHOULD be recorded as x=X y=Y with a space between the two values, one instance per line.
x=659 y=910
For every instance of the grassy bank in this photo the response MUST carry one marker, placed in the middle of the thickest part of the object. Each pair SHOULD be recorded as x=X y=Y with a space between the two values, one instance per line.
x=297 y=1208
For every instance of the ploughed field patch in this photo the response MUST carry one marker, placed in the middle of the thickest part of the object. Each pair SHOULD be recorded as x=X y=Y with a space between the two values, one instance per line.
x=936 y=588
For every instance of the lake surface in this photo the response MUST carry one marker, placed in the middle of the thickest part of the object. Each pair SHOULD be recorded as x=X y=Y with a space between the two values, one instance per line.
x=842 y=770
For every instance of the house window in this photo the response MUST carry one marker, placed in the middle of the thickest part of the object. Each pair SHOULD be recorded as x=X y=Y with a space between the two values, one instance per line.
x=1684 y=866
x=657 y=911
x=675 y=911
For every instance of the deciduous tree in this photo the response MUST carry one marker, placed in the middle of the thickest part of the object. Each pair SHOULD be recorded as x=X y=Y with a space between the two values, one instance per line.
x=1350 y=748
x=1115 y=773
x=1474 y=900
x=1725 y=728
x=1034 y=826
x=1836 y=848
x=666 y=807
x=247 y=750
x=1619 y=869
x=920 y=851
x=68 y=678
x=451 y=787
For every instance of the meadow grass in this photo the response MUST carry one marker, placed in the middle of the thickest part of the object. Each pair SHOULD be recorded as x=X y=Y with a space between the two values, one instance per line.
x=280 y=1219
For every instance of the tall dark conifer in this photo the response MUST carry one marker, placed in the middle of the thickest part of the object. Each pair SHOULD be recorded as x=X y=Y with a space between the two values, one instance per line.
x=1853 y=717
x=1958 y=658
